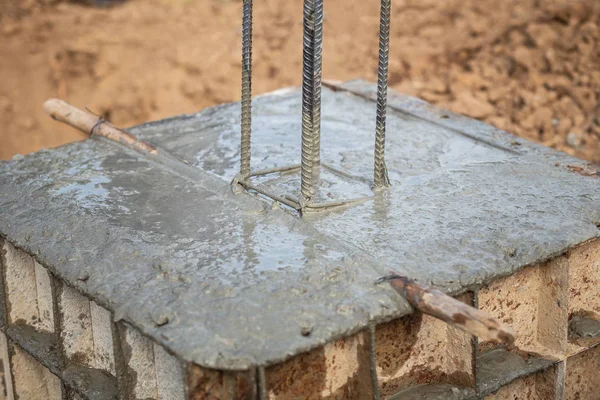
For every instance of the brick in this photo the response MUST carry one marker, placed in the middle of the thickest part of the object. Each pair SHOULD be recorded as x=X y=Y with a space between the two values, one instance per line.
x=533 y=301
x=538 y=386
x=338 y=370
x=76 y=332
x=514 y=300
x=45 y=301
x=28 y=290
x=302 y=376
x=204 y=384
x=21 y=286
x=87 y=332
x=53 y=385
x=32 y=381
x=3 y=294
x=584 y=279
x=419 y=349
x=581 y=375
x=553 y=315
x=139 y=358
x=7 y=382
x=152 y=371
x=460 y=352
x=169 y=375
x=102 y=332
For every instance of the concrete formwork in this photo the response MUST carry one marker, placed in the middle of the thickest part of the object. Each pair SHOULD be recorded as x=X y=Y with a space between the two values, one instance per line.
x=133 y=276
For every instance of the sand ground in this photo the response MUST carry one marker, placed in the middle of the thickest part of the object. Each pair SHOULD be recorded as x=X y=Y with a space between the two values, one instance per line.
x=527 y=66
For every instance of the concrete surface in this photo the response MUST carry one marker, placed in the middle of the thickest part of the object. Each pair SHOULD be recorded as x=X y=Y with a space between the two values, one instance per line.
x=229 y=282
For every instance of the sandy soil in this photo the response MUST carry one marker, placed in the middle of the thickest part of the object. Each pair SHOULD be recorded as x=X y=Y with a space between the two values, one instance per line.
x=527 y=66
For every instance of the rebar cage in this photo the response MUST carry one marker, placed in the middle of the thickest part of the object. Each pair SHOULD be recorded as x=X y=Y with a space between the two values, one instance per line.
x=310 y=166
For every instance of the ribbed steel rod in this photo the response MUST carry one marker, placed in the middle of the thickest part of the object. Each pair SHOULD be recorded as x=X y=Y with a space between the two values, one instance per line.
x=308 y=139
x=380 y=171
x=317 y=76
x=246 y=120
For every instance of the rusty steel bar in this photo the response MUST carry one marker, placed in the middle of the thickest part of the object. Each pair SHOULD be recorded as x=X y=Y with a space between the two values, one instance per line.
x=380 y=175
x=246 y=119
x=433 y=302
x=92 y=124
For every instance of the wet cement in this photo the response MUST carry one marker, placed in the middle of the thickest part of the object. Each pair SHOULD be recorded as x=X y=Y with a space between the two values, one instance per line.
x=91 y=383
x=495 y=369
x=584 y=327
x=43 y=346
x=499 y=367
x=229 y=281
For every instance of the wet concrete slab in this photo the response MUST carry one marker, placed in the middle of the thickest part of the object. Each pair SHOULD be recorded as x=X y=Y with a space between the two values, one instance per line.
x=231 y=281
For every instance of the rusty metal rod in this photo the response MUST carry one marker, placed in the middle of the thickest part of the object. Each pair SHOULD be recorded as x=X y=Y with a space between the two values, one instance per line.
x=92 y=124
x=246 y=118
x=437 y=304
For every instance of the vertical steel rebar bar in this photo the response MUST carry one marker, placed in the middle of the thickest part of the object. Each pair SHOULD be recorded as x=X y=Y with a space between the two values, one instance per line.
x=246 y=119
x=317 y=77
x=380 y=178
x=308 y=139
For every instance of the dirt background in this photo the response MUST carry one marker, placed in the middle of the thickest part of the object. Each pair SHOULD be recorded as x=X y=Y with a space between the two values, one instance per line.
x=528 y=66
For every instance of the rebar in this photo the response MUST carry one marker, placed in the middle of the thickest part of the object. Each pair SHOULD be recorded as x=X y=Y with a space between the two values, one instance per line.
x=246 y=119
x=380 y=177
x=317 y=77
x=308 y=139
